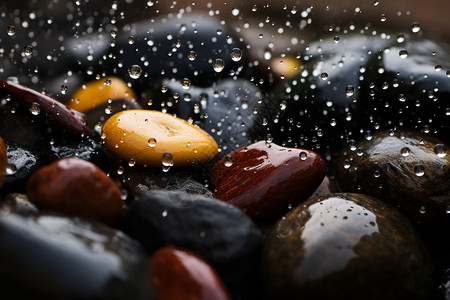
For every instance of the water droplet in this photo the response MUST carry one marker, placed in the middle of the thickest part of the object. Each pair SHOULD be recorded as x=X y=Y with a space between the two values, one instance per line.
x=131 y=40
x=402 y=97
x=269 y=138
x=167 y=159
x=11 y=30
x=152 y=142
x=405 y=151
x=419 y=170
x=218 y=65
x=164 y=213
x=186 y=83
x=349 y=90
x=64 y=89
x=415 y=27
x=228 y=161
x=108 y=110
x=235 y=12
x=303 y=155
x=192 y=55
x=376 y=174
x=150 y=3
x=403 y=54
x=120 y=170
x=35 y=108
x=135 y=71
x=324 y=76
x=11 y=169
x=440 y=150
x=131 y=162
x=236 y=54
x=422 y=210
x=27 y=51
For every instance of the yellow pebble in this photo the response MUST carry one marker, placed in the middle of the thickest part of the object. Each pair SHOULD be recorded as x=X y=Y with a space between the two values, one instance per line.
x=3 y=159
x=287 y=66
x=97 y=92
x=157 y=139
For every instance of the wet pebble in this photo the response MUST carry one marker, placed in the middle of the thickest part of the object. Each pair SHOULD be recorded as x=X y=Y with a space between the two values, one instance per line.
x=181 y=274
x=76 y=187
x=263 y=178
x=345 y=246
x=220 y=233
x=406 y=168
x=157 y=139
x=52 y=257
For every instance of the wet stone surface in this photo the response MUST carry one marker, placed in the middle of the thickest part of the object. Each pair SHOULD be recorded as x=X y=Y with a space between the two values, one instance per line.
x=408 y=169
x=51 y=257
x=263 y=179
x=345 y=246
x=220 y=233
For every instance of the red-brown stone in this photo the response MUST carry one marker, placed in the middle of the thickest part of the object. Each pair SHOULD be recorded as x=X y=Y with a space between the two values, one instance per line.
x=179 y=274
x=77 y=188
x=3 y=159
x=265 y=180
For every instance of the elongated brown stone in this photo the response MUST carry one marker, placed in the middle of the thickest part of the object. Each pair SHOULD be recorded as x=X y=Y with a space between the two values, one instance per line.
x=57 y=113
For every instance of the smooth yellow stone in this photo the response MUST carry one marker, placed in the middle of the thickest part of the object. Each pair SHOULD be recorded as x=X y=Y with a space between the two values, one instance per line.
x=99 y=91
x=3 y=160
x=145 y=137
x=287 y=66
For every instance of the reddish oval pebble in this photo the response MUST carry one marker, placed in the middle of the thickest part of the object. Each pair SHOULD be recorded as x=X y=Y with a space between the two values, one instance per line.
x=3 y=159
x=179 y=274
x=264 y=180
x=78 y=188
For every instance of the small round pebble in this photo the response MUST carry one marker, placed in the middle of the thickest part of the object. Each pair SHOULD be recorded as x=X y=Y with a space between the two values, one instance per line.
x=78 y=188
x=157 y=139
x=101 y=91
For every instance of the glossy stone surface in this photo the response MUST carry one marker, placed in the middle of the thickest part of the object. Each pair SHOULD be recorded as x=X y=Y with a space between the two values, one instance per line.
x=345 y=246
x=232 y=111
x=100 y=91
x=409 y=169
x=220 y=233
x=3 y=159
x=59 y=115
x=157 y=139
x=77 y=188
x=52 y=257
x=180 y=274
x=265 y=180
x=17 y=203
x=22 y=163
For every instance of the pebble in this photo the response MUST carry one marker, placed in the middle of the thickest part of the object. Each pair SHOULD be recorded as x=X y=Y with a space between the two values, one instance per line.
x=3 y=160
x=217 y=231
x=408 y=169
x=52 y=257
x=345 y=246
x=76 y=187
x=58 y=114
x=157 y=139
x=263 y=178
x=100 y=91
x=180 y=274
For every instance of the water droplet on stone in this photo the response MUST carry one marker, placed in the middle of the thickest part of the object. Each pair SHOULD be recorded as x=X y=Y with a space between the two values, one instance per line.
x=120 y=170
x=186 y=83
x=303 y=155
x=131 y=162
x=405 y=151
x=440 y=150
x=135 y=71
x=228 y=161
x=236 y=54
x=218 y=65
x=152 y=142
x=419 y=170
x=167 y=159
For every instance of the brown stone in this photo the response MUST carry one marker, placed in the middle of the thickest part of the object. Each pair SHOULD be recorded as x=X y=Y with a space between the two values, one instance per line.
x=78 y=188
x=265 y=180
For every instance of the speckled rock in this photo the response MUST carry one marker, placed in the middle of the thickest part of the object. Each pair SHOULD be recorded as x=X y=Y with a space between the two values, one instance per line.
x=345 y=246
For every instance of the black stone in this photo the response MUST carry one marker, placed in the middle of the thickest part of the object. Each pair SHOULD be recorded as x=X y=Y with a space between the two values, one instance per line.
x=215 y=230
x=53 y=257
